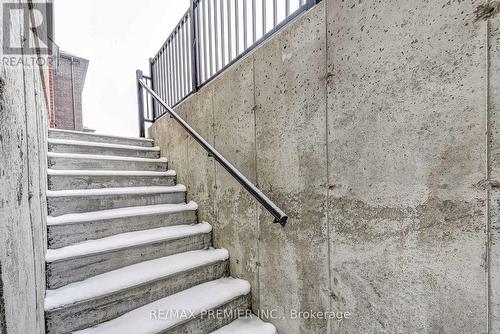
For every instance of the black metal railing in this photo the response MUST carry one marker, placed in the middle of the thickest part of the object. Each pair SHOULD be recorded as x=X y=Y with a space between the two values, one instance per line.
x=212 y=35
x=144 y=103
x=144 y=88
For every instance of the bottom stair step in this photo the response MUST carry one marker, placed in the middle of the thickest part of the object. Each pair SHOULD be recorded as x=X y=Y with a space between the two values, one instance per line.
x=185 y=312
x=247 y=325
x=109 y=295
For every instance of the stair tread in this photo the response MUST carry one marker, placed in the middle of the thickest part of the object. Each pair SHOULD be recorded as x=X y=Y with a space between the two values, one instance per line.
x=200 y=298
x=79 y=172
x=74 y=218
x=126 y=240
x=247 y=325
x=131 y=276
x=103 y=157
x=99 y=135
x=103 y=145
x=117 y=191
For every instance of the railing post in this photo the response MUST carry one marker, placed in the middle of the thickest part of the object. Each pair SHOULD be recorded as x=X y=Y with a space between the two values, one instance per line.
x=194 y=47
x=151 y=75
x=140 y=104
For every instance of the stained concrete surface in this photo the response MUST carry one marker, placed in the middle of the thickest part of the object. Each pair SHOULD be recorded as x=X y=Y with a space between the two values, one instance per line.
x=23 y=143
x=366 y=122
x=494 y=170
x=407 y=149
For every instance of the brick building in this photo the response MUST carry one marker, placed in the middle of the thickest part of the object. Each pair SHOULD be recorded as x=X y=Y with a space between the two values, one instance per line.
x=69 y=80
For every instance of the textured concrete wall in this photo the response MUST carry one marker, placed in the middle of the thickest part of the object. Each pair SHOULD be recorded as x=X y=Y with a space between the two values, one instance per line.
x=23 y=147
x=374 y=125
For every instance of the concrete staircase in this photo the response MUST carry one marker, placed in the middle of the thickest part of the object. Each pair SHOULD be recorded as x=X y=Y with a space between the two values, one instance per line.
x=126 y=252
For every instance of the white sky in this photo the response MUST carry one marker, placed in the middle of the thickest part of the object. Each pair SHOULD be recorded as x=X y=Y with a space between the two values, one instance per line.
x=117 y=37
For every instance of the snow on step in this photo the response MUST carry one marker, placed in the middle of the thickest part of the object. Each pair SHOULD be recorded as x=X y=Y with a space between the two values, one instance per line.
x=102 y=145
x=117 y=191
x=125 y=240
x=103 y=157
x=247 y=325
x=121 y=213
x=200 y=298
x=131 y=276
x=99 y=135
x=56 y=172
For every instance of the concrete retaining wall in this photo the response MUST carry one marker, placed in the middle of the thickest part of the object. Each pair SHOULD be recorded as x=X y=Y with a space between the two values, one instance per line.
x=374 y=125
x=23 y=165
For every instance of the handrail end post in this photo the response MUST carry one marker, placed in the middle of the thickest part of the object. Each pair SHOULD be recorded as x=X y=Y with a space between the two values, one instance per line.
x=281 y=220
x=140 y=104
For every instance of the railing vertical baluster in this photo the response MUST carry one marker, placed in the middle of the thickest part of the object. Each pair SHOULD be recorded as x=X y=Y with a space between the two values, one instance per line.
x=205 y=63
x=245 y=25
x=275 y=13
x=229 y=35
x=264 y=18
x=179 y=66
x=170 y=73
x=183 y=56
x=195 y=68
x=210 y=47
x=222 y=34
x=254 y=22
x=287 y=8
x=237 y=26
x=187 y=39
x=164 y=72
x=216 y=35
x=175 y=58
x=160 y=64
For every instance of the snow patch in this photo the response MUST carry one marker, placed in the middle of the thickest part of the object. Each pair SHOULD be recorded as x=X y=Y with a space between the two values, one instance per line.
x=196 y=300
x=75 y=218
x=131 y=276
x=117 y=191
x=99 y=135
x=57 y=172
x=103 y=157
x=103 y=145
x=125 y=240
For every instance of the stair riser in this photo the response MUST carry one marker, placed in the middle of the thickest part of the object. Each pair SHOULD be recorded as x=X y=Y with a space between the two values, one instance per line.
x=77 y=204
x=93 y=312
x=64 y=235
x=60 y=273
x=99 y=139
x=59 y=182
x=94 y=164
x=207 y=324
x=77 y=149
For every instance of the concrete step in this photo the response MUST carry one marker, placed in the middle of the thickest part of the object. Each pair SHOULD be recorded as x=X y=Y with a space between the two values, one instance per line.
x=83 y=260
x=99 y=138
x=247 y=325
x=60 y=202
x=83 y=147
x=184 y=312
x=68 y=161
x=95 y=179
x=74 y=228
x=107 y=296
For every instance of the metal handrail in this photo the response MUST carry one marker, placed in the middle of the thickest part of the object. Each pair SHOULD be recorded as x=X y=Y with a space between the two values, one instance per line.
x=279 y=216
